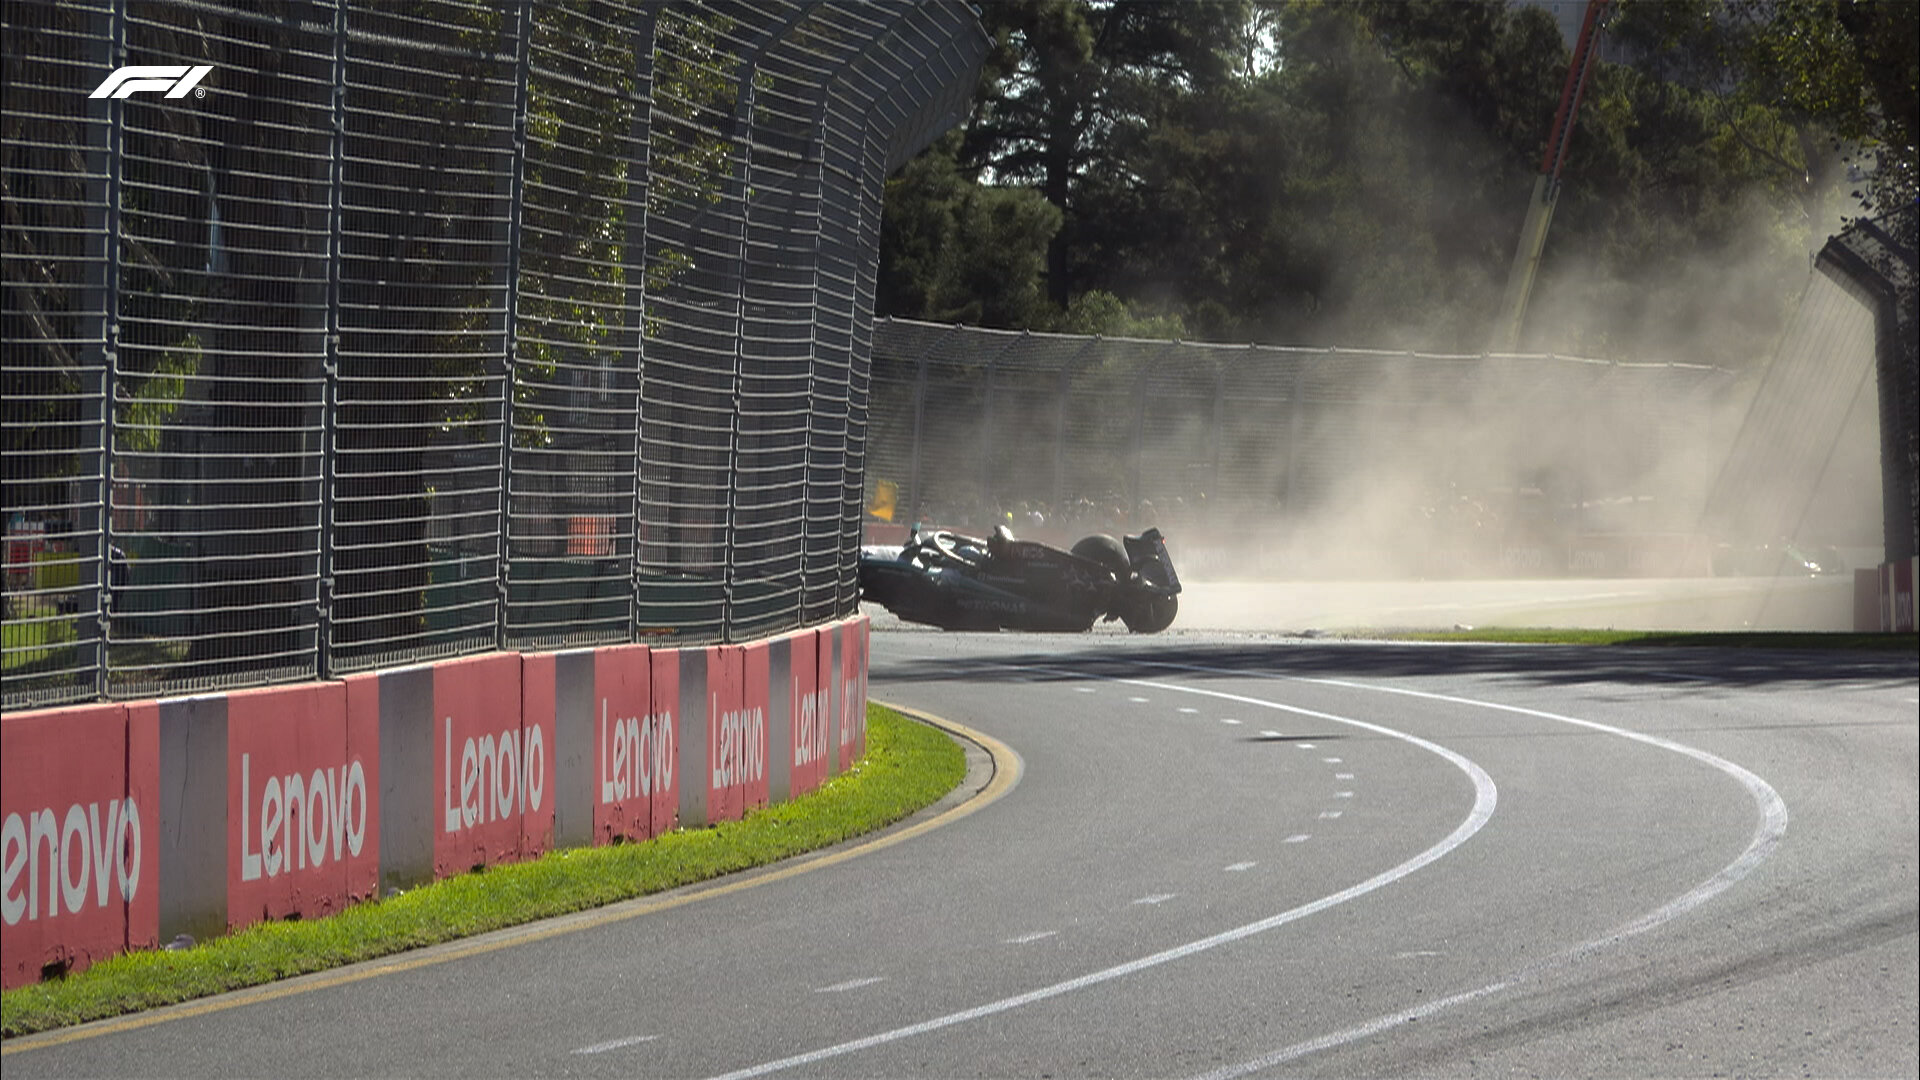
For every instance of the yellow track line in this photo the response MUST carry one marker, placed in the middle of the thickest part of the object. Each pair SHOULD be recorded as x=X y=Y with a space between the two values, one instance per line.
x=1006 y=773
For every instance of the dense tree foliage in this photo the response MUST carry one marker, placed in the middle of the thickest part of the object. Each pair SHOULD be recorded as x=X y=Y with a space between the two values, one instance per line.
x=1356 y=172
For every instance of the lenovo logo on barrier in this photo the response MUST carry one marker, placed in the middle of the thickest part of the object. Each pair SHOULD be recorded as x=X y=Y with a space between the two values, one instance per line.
x=177 y=80
x=83 y=853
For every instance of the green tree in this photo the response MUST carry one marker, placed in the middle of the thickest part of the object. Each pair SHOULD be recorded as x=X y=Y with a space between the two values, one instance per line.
x=1073 y=85
x=956 y=251
x=1840 y=74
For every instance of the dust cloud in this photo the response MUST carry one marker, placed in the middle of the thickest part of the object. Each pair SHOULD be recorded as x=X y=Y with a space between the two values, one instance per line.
x=1531 y=491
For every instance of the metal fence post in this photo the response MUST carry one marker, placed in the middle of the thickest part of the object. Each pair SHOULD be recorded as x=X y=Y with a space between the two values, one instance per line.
x=330 y=388
x=635 y=267
x=99 y=643
x=516 y=197
x=730 y=547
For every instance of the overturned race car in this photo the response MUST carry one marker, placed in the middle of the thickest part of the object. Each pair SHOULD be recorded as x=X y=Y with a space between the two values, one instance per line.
x=961 y=582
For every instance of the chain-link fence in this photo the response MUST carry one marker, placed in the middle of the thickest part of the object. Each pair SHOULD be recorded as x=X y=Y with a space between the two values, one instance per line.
x=409 y=330
x=1345 y=458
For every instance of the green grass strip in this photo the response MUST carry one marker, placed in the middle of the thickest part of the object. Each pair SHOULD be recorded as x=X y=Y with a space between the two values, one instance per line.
x=908 y=766
x=1720 y=640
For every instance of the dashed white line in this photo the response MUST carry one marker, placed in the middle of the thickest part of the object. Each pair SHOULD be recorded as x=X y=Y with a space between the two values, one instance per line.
x=1343 y=794
x=1299 y=838
x=1188 y=709
x=1083 y=689
x=1026 y=939
x=1271 y=735
x=1239 y=866
x=1156 y=898
x=1767 y=836
x=1485 y=796
x=850 y=984
x=1229 y=720
x=1138 y=700
x=1306 y=746
x=1329 y=815
x=601 y=1048
x=1343 y=776
x=1331 y=760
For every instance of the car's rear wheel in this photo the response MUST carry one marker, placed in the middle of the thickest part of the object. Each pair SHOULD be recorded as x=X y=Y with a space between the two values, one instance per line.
x=1150 y=614
x=1106 y=551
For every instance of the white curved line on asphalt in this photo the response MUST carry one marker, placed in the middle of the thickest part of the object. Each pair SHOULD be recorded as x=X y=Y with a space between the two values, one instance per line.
x=1484 y=797
x=1766 y=837
x=616 y=1044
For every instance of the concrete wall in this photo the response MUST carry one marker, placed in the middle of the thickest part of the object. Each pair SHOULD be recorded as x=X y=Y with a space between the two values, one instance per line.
x=126 y=825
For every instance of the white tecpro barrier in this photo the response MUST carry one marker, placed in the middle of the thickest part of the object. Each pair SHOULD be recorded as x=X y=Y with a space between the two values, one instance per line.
x=125 y=825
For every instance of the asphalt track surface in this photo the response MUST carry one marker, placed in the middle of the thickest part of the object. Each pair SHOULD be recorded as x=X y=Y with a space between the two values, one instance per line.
x=1226 y=854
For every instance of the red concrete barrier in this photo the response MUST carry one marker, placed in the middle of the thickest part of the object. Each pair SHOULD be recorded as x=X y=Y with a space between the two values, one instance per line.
x=300 y=784
x=78 y=881
x=756 y=708
x=538 y=731
x=633 y=749
x=665 y=665
x=809 y=708
x=729 y=735
x=853 y=692
x=224 y=810
x=827 y=645
x=489 y=771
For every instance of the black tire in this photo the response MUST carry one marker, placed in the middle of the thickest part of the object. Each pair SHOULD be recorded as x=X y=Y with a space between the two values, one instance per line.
x=1150 y=614
x=1108 y=552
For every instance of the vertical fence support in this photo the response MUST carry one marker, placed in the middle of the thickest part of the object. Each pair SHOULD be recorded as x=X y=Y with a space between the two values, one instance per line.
x=635 y=267
x=92 y=649
x=516 y=192
x=730 y=560
x=330 y=355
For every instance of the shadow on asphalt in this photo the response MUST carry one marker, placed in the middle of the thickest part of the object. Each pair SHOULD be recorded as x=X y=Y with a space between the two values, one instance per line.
x=1680 y=667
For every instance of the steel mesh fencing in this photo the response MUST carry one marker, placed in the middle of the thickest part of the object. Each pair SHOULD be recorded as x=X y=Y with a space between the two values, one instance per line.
x=404 y=332
x=1070 y=434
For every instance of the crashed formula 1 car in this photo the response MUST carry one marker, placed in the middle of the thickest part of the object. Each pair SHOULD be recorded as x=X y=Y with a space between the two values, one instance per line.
x=960 y=582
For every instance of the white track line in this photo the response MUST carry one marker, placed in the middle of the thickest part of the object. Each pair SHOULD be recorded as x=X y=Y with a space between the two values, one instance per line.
x=1484 y=797
x=601 y=1048
x=1767 y=834
x=850 y=984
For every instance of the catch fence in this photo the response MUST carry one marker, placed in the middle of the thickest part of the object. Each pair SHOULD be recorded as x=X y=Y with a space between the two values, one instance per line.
x=1235 y=443
x=407 y=331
